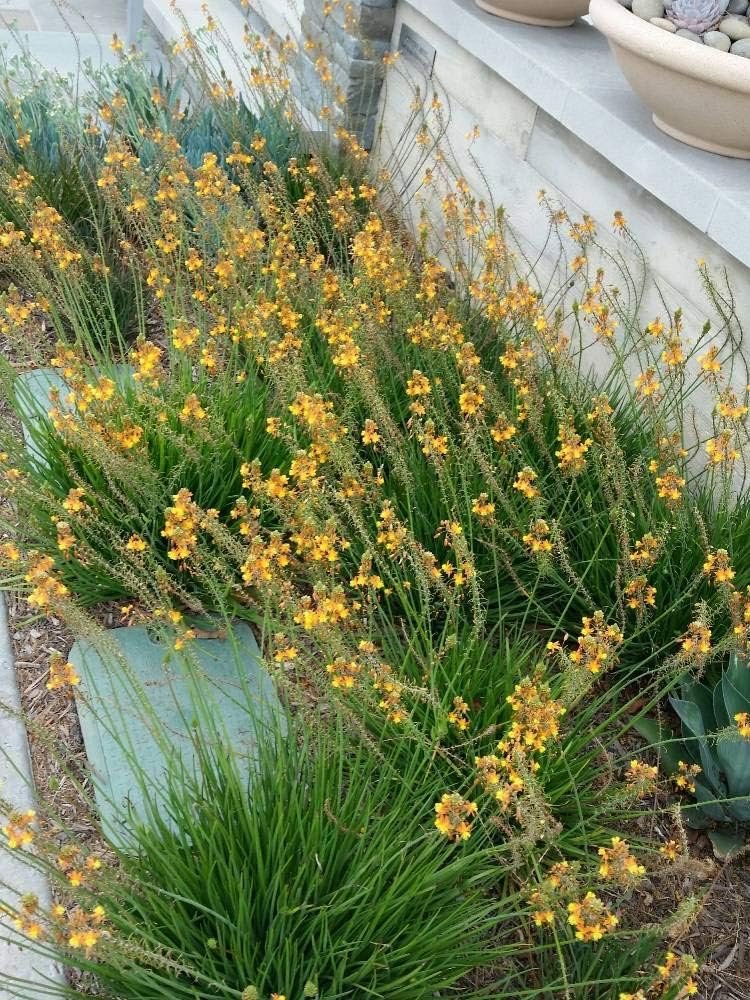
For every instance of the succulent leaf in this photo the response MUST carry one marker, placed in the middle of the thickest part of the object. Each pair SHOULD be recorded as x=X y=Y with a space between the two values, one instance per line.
x=708 y=807
x=697 y=15
x=694 y=731
x=734 y=756
x=725 y=844
x=722 y=716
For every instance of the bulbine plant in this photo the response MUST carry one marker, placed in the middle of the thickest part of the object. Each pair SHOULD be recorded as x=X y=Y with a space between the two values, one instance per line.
x=316 y=877
x=395 y=455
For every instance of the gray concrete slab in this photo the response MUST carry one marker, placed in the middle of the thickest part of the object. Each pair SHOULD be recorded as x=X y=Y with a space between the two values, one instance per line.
x=61 y=35
x=101 y=17
x=140 y=709
x=38 y=973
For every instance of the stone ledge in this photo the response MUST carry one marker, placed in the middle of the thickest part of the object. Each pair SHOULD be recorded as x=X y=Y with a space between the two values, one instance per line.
x=571 y=75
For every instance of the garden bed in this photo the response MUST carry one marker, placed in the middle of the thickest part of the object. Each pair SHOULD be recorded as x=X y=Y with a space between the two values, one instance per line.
x=481 y=541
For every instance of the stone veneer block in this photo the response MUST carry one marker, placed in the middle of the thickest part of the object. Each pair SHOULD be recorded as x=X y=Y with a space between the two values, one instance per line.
x=142 y=702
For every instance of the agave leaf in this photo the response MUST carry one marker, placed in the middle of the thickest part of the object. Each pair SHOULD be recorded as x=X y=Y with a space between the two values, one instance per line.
x=695 y=734
x=734 y=756
x=739 y=673
x=739 y=809
x=703 y=697
x=662 y=739
x=709 y=805
x=735 y=688
x=720 y=709
x=726 y=843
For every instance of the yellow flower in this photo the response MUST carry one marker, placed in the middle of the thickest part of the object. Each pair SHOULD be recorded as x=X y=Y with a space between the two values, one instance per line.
x=61 y=674
x=536 y=716
x=718 y=567
x=572 y=451
x=391 y=533
x=454 y=816
x=129 y=436
x=686 y=775
x=180 y=526
x=74 y=502
x=618 y=864
x=591 y=918
x=370 y=434
x=647 y=384
x=471 y=397
x=136 y=544
x=639 y=594
x=146 y=358
x=459 y=715
x=344 y=673
x=482 y=506
x=192 y=409
x=697 y=641
x=645 y=551
x=537 y=538
x=641 y=777
x=184 y=336
x=524 y=483
x=503 y=430
x=708 y=361
x=671 y=850
x=597 y=643
x=285 y=655
x=721 y=449
x=670 y=486
x=10 y=552
x=18 y=830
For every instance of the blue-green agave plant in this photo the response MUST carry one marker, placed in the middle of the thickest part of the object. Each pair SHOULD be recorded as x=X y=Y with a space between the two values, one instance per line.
x=711 y=739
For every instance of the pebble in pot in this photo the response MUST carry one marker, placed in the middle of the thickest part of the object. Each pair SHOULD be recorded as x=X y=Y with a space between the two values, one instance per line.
x=648 y=8
x=717 y=40
x=735 y=27
x=719 y=24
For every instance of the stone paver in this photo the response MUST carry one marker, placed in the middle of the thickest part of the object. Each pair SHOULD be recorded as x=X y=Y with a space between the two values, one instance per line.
x=147 y=703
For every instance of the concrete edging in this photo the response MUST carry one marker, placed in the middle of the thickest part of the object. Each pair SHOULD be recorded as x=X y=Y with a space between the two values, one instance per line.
x=17 y=785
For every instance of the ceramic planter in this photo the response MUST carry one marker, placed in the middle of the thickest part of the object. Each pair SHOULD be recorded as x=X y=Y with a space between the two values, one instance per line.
x=548 y=13
x=695 y=93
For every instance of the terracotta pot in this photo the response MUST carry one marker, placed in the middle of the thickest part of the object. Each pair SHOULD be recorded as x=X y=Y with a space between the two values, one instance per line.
x=548 y=13
x=696 y=94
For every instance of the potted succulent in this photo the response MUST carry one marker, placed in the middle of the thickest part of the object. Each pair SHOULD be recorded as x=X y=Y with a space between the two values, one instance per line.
x=548 y=13
x=689 y=62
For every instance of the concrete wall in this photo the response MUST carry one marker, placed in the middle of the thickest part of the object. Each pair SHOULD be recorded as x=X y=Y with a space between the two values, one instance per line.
x=522 y=149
